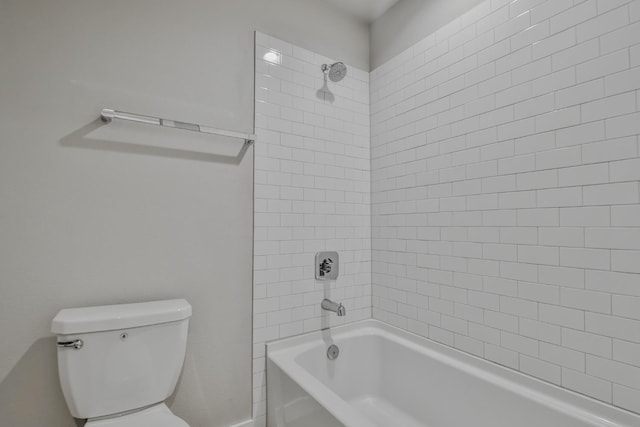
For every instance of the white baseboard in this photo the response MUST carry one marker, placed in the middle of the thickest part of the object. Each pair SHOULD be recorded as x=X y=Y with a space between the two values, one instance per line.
x=248 y=423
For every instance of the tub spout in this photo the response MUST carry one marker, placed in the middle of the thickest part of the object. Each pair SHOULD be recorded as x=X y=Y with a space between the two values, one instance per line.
x=337 y=308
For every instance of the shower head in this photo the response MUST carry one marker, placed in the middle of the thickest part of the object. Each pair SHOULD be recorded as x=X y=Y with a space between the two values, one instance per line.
x=336 y=71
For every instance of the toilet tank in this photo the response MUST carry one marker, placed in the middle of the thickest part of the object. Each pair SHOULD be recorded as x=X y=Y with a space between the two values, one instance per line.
x=130 y=355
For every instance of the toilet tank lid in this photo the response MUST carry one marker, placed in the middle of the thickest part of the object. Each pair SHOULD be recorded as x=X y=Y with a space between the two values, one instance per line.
x=119 y=316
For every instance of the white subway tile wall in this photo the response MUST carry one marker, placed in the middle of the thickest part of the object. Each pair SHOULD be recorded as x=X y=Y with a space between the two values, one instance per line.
x=505 y=192
x=312 y=193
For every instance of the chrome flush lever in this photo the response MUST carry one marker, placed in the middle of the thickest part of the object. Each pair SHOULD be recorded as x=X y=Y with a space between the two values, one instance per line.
x=77 y=344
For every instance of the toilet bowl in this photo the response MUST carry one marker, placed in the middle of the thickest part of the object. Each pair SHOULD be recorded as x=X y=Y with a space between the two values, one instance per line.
x=118 y=363
x=155 y=416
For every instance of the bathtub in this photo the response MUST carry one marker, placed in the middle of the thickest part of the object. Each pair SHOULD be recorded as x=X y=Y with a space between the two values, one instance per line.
x=386 y=377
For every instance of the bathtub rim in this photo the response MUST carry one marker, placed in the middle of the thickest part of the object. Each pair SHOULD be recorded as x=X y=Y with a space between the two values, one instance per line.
x=281 y=353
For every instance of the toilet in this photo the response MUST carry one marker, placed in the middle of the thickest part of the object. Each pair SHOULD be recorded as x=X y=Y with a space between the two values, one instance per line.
x=118 y=363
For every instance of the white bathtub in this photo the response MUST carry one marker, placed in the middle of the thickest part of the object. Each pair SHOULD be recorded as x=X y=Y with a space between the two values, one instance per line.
x=386 y=377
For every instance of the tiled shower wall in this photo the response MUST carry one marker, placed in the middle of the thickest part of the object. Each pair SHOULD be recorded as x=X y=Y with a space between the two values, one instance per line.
x=506 y=215
x=312 y=193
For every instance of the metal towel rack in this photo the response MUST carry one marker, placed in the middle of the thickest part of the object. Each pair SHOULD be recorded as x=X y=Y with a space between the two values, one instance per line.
x=107 y=115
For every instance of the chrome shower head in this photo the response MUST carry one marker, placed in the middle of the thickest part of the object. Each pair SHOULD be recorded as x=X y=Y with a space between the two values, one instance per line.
x=335 y=71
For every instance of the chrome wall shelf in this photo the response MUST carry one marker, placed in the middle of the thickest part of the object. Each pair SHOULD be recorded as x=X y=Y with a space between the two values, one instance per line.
x=107 y=115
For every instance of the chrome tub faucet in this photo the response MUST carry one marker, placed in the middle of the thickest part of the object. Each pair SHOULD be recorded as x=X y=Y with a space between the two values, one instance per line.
x=337 y=308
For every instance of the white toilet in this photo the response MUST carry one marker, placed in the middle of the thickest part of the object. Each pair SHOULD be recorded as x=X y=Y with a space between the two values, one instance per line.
x=118 y=363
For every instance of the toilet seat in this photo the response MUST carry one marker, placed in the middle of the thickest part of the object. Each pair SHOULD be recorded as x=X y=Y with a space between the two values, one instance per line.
x=155 y=416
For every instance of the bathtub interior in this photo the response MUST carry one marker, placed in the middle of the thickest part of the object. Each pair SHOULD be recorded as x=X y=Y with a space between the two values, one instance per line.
x=391 y=381
x=360 y=378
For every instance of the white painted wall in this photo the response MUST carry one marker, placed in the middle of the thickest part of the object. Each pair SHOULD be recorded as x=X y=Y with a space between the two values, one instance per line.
x=506 y=190
x=312 y=194
x=408 y=22
x=87 y=219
